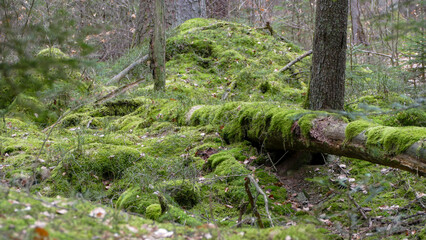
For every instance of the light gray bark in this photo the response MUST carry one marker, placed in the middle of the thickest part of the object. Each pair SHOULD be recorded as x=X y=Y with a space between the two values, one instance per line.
x=188 y=9
x=358 y=35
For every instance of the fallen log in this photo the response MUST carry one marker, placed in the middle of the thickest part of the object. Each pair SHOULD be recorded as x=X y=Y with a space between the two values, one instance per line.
x=123 y=73
x=278 y=128
x=295 y=60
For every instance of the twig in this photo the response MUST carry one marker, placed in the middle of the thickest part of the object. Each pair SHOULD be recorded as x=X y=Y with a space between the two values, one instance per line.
x=296 y=60
x=163 y=204
x=270 y=159
x=359 y=208
x=253 y=205
x=123 y=73
x=243 y=208
x=376 y=53
x=264 y=197
x=118 y=91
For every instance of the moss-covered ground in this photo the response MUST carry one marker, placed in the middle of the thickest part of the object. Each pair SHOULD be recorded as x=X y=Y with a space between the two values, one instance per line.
x=100 y=172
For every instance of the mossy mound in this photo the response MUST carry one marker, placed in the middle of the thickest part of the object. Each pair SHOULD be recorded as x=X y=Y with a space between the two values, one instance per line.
x=213 y=60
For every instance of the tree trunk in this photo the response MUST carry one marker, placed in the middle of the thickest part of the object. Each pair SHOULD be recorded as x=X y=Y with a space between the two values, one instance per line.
x=188 y=9
x=327 y=85
x=158 y=47
x=276 y=128
x=358 y=35
x=218 y=9
x=144 y=23
x=176 y=12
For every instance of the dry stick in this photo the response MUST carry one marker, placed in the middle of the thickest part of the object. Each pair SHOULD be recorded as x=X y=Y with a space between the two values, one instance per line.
x=123 y=73
x=118 y=91
x=163 y=203
x=253 y=205
x=296 y=60
x=243 y=208
x=272 y=162
x=360 y=209
x=264 y=197
x=376 y=53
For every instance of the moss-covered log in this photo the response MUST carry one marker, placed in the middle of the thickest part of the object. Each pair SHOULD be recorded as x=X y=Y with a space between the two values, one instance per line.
x=278 y=128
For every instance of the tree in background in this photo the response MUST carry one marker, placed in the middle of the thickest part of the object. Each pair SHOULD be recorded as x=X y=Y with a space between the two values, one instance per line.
x=157 y=47
x=358 y=35
x=327 y=85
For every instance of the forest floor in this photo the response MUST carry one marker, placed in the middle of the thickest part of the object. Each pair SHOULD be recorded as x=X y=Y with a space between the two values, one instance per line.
x=104 y=169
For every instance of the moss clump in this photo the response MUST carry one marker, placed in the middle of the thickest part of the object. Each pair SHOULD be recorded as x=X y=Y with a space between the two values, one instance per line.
x=52 y=52
x=354 y=128
x=410 y=117
x=394 y=140
x=185 y=193
x=136 y=200
x=225 y=164
x=119 y=107
x=179 y=216
x=153 y=211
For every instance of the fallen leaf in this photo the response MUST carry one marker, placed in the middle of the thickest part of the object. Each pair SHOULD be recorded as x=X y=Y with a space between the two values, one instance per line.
x=41 y=234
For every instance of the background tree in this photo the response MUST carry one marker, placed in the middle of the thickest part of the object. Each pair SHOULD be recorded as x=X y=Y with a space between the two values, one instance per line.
x=158 y=47
x=327 y=85
x=358 y=35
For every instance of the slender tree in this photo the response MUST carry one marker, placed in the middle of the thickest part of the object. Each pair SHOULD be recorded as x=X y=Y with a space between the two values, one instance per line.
x=327 y=85
x=358 y=35
x=158 y=47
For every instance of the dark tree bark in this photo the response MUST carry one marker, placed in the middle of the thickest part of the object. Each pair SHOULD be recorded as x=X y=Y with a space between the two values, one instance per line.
x=157 y=47
x=358 y=35
x=144 y=23
x=327 y=85
x=217 y=9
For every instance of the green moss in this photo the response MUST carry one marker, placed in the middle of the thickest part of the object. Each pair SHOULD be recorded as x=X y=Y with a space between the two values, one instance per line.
x=52 y=52
x=410 y=117
x=136 y=200
x=153 y=211
x=394 y=140
x=178 y=215
x=185 y=193
x=354 y=128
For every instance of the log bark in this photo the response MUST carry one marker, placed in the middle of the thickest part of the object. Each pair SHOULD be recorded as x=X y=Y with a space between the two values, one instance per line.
x=315 y=131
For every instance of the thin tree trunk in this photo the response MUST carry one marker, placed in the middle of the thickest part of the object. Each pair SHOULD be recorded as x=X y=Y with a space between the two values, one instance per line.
x=358 y=35
x=158 y=47
x=327 y=85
